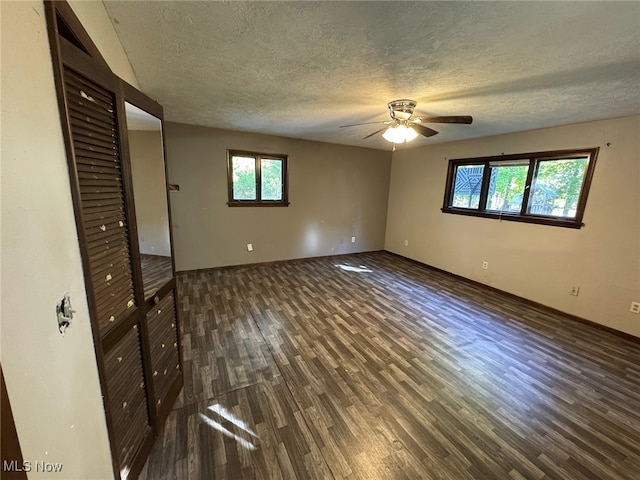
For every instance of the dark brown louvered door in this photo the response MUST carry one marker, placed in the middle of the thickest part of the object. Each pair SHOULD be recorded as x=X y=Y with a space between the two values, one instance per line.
x=163 y=342
x=106 y=230
x=92 y=107
x=127 y=397
x=100 y=180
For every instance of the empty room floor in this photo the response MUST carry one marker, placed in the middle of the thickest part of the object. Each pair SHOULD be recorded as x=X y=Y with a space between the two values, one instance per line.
x=371 y=366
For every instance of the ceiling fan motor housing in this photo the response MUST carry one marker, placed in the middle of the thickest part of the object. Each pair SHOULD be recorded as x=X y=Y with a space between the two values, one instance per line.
x=401 y=109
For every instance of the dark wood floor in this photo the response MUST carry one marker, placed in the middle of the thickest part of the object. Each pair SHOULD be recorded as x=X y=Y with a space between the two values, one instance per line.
x=388 y=370
x=156 y=272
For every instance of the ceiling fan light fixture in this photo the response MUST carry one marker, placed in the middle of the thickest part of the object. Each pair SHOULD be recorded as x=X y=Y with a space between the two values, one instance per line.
x=410 y=134
x=399 y=134
x=402 y=109
x=404 y=127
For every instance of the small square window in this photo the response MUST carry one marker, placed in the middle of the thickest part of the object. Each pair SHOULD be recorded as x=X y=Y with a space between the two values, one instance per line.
x=256 y=179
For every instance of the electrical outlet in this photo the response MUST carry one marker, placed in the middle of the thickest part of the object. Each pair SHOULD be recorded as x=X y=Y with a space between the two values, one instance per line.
x=485 y=265
x=249 y=247
x=635 y=307
x=574 y=291
x=406 y=243
x=353 y=239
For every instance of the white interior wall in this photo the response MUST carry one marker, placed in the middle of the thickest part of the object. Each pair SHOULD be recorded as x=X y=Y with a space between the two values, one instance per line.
x=537 y=262
x=337 y=194
x=52 y=380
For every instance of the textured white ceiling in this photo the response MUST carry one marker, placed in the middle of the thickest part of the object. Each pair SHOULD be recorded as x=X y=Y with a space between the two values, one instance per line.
x=302 y=69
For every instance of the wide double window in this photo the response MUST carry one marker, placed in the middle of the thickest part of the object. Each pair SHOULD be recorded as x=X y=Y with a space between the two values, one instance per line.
x=257 y=179
x=543 y=187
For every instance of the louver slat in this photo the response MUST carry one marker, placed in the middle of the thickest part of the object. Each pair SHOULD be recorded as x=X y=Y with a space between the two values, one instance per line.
x=163 y=342
x=95 y=143
x=79 y=123
x=127 y=400
x=91 y=131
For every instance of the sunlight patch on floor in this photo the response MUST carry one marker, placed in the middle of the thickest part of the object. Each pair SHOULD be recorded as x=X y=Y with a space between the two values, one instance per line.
x=222 y=412
x=349 y=268
x=227 y=415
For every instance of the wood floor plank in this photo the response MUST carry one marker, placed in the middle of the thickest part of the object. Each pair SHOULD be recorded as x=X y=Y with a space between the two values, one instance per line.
x=389 y=370
x=156 y=271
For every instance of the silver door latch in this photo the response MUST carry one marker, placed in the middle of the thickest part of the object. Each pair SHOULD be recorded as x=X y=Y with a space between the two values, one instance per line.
x=65 y=313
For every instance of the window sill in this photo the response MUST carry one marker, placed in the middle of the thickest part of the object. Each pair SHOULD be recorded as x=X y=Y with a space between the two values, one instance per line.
x=257 y=204
x=537 y=219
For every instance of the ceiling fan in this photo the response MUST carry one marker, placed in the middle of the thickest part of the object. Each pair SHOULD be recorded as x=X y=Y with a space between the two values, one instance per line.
x=404 y=127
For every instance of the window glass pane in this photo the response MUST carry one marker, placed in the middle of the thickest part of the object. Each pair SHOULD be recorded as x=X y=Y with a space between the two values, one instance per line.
x=466 y=189
x=506 y=188
x=271 y=181
x=556 y=187
x=244 y=178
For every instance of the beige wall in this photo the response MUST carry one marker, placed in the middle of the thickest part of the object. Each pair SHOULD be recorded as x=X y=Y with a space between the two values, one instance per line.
x=149 y=191
x=96 y=21
x=52 y=380
x=336 y=192
x=537 y=262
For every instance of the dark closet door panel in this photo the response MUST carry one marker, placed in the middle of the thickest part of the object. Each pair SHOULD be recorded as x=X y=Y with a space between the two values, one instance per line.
x=109 y=219
x=163 y=346
x=101 y=211
x=99 y=114
x=114 y=203
x=89 y=194
x=105 y=256
x=96 y=178
x=96 y=239
x=111 y=307
x=87 y=157
x=95 y=141
x=88 y=125
x=103 y=235
x=101 y=250
x=88 y=187
x=105 y=266
x=92 y=131
x=89 y=87
x=89 y=122
x=127 y=397
x=91 y=166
